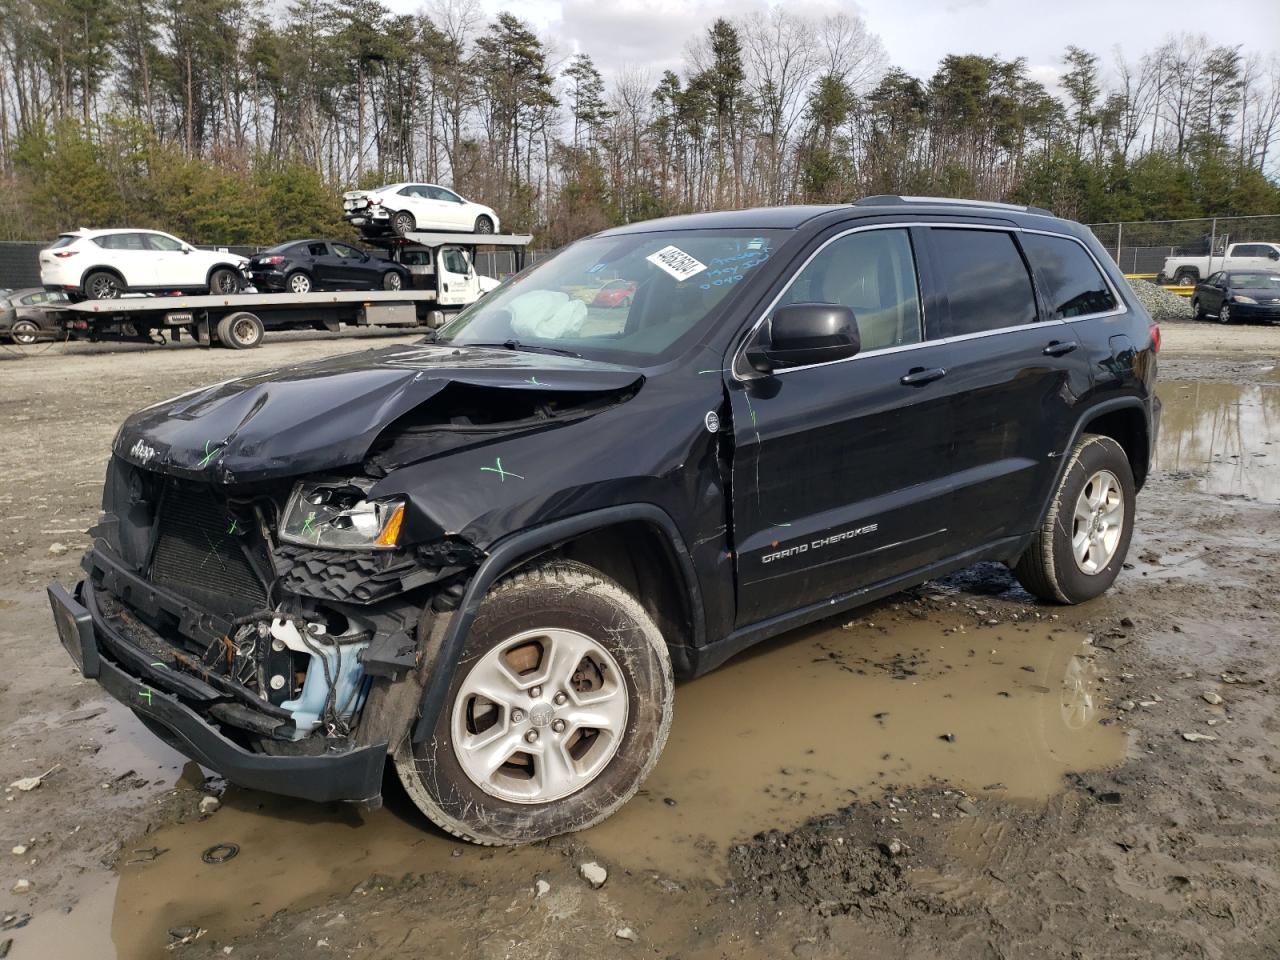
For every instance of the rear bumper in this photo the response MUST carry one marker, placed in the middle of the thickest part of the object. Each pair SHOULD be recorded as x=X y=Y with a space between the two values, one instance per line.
x=267 y=279
x=1256 y=311
x=352 y=775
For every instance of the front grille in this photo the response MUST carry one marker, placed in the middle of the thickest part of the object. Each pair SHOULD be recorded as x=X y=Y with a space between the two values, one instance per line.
x=200 y=552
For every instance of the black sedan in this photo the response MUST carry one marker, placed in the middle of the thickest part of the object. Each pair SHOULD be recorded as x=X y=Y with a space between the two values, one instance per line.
x=301 y=266
x=25 y=316
x=1231 y=295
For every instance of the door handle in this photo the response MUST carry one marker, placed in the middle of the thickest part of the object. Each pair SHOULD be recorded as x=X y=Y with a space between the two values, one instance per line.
x=1058 y=348
x=919 y=376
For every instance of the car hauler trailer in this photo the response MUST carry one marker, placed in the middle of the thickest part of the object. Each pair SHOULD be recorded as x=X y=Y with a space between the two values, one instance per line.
x=449 y=282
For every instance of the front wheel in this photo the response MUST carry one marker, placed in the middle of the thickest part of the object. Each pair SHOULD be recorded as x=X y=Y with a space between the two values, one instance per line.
x=1224 y=314
x=1197 y=312
x=559 y=709
x=1080 y=547
x=224 y=281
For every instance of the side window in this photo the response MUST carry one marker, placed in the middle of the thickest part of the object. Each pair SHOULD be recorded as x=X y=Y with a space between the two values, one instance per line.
x=440 y=193
x=124 y=241
x=985 y=280
x=1073 y=285
x=1249 y=250
x=455 y=261
x=351 y=253
x=317 y=250
x=158 y=241
x=1215 y=279
x=873 y=273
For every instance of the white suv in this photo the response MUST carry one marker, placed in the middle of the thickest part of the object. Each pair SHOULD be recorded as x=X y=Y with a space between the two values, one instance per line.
x=404 y=207
x=105 y=264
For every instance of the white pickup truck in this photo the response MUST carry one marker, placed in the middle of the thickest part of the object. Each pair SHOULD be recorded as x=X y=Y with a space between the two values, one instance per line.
x=1238 y=256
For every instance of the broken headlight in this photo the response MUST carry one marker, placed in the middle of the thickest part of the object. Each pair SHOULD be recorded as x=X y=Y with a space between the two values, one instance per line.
x=337 y=516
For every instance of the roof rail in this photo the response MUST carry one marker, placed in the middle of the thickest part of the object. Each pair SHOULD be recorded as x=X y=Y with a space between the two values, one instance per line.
x=884 y=200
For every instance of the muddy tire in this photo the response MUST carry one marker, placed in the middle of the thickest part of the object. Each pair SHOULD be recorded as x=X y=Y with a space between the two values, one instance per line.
x=1078 y=550
x=580 y=703
x=1186 y=278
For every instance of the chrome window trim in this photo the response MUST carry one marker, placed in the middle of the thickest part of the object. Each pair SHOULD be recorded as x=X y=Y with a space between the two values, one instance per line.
x=740 y=352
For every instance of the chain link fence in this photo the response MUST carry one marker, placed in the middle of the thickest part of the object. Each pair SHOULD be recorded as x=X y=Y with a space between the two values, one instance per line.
x=1141 y=247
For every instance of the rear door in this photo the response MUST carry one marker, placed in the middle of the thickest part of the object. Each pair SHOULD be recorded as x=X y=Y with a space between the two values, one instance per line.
x=318 y=260
x=1014 y=369
x=840 y=469
x=134 y=257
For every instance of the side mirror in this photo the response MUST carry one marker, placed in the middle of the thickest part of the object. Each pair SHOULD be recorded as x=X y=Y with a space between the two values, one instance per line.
x=1274 y=255
x=804 y=333
x=186 y=248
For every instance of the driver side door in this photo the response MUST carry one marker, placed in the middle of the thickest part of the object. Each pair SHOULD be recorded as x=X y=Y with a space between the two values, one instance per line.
x=456 y=282
x=841 y=469
x=1211 y=297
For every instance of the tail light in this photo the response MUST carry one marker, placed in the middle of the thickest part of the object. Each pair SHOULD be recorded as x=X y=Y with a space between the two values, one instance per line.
x=65 y=253
x=271 y=260
x=1155 y=338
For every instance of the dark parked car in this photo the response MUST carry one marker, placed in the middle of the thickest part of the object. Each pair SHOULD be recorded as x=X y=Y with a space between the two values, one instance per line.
x=305 y=265
x=488 y=555
x=1230 y=295
x=25 y=317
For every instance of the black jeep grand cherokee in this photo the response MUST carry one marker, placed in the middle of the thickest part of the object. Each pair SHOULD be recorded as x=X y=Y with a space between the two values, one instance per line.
x=487 y=556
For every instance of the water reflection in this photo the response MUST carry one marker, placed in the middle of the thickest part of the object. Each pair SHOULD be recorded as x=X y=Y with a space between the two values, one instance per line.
x=1224 y=436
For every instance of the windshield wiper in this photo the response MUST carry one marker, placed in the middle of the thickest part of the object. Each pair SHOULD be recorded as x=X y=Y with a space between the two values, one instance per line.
x=527 y=347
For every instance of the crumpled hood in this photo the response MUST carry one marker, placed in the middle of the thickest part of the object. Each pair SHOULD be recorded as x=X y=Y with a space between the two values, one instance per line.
x=327 y=414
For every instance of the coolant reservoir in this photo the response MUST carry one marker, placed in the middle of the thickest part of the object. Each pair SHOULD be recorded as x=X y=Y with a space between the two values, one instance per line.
x=345 y=670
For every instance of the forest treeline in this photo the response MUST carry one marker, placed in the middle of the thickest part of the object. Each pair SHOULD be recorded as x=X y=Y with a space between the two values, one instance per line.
x=239 y=121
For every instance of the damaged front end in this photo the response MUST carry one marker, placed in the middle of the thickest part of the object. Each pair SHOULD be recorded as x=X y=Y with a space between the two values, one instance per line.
x=273 y=551
x=263 y=624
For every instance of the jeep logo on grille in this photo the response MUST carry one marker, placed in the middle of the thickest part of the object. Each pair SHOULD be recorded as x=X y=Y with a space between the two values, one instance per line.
x=142 y=452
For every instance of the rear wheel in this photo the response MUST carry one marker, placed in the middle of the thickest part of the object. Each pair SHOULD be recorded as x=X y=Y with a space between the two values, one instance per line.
x=25 y=332
x=484 y=224
x=240 y=331
x=101 y=285
x=298 y=282
x=403 y=223
x=559 y=708
x=392 y=280
x=1080 y=547
x=1186 y=278
x=224 y=281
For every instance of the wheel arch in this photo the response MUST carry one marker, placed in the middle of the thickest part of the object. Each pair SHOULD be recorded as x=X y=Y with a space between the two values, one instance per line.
x=644 y=531
x=208 y=276
x=1126 y=424
x=89 y=271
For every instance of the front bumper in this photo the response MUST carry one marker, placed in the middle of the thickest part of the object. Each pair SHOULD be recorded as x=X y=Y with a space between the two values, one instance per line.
x=100 y=653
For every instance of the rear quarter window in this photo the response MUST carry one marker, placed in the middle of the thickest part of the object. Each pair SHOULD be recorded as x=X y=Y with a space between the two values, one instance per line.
x=1072 y=283
x=64 y=241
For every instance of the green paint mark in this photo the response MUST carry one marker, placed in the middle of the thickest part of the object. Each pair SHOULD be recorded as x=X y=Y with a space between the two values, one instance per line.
x=235 y=526
x=145 y=694
x=534 y=380
x=208 y=454
x=502 y=474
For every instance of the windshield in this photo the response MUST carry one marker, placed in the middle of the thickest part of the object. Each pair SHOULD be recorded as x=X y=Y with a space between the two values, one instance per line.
x=674 y=282
x=1257 y=280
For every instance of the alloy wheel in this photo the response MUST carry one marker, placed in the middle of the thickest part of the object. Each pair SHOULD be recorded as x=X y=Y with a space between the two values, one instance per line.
x=539 y=716
x=1224 y=314
x=25 y=332
x=1098 y=522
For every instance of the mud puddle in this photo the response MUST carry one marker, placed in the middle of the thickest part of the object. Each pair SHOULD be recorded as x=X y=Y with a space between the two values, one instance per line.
x=1223 y=438
x=803 y=726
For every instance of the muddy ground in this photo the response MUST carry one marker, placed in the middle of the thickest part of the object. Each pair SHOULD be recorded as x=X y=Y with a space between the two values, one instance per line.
x=956 y=772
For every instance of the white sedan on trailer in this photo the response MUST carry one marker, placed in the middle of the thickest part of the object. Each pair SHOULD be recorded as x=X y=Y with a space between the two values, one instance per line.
x=106 y=264
x=402 y=208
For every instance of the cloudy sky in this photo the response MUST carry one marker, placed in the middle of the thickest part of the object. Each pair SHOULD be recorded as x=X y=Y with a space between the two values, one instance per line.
x=651 y=34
